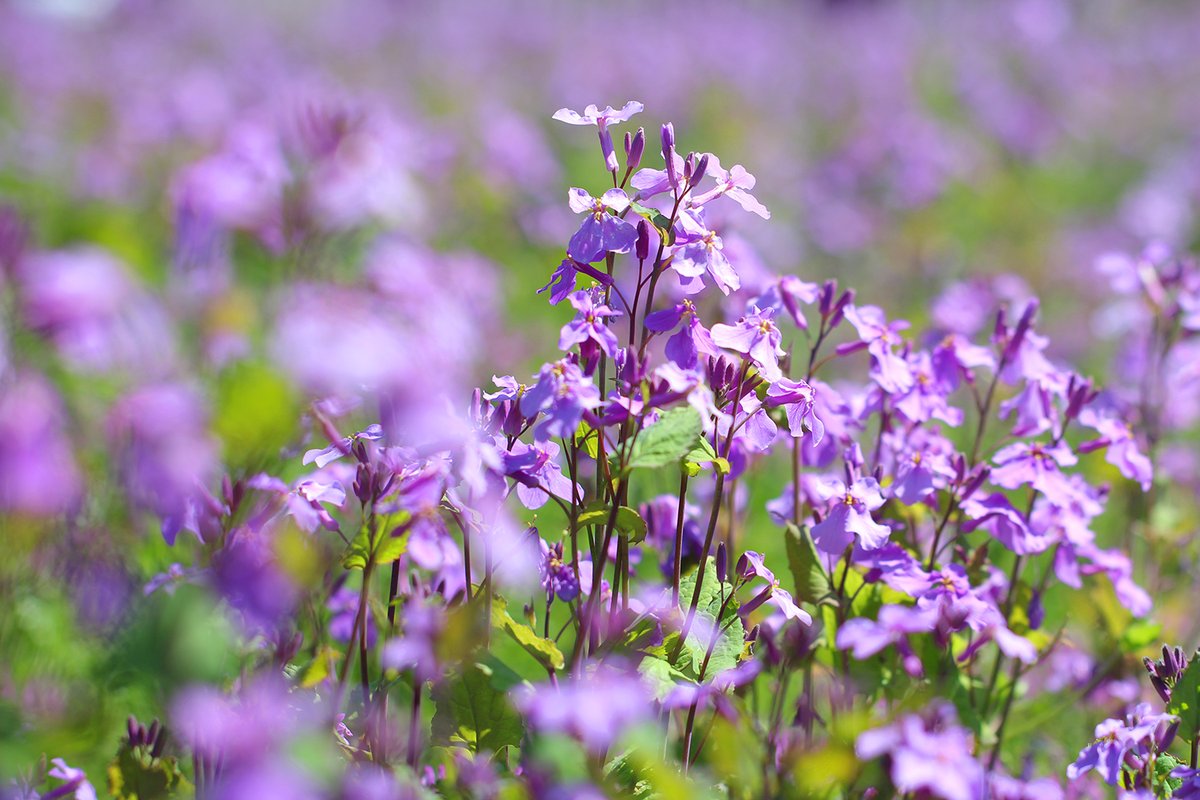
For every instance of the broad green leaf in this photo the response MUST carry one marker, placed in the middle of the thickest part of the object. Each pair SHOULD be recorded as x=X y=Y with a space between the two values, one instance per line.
x=666 y=441
x=661 y=676
x=472 y=712
x=812 y=582
x=713 y=615
x=628 y=521
x=1185 y=700
x=544 y=650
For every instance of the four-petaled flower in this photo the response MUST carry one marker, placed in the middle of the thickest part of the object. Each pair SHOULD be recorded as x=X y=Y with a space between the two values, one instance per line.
x=601 y=232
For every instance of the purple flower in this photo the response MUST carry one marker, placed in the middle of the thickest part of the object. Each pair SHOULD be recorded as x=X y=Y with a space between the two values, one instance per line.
x=787 y=294
x=928 y=754
x=699 y=250
x=686 y=345
x=601 y=232
x=734 y=184
x=751 y=565
x=754 y=335
x=1004 y=787
x=996 y=515
x=321 y=457
x=879 y=336
x=1036 y=465
x=558 y=578
x=601 y=119
x=594 y=706
x=74 y=783
x=865 y=637
x=562 y=281
x=1116 y=739
x=1122 y=447
x=343 y=609
x=417 y=649
x=850 y=517
x=798 y=399
x=37 y=468
x=536 y=470
x=589 y=325
x=562 y=393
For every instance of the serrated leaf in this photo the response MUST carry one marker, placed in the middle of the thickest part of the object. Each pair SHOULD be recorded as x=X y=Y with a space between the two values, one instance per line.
x=544 y=650
x=472 y=712
x=717 y=616
x=811 y=581
x=628 y=520
x=666 y=441
x=1185 y=700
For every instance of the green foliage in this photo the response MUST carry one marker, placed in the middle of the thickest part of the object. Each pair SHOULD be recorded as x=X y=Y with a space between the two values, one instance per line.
x=387 y=547
x=717 y=609
x=544 y=650
x=473 y=713
x=812 y=582
x=1185 y=700
x=666 y=441
x=628 y=520
x=255 y=413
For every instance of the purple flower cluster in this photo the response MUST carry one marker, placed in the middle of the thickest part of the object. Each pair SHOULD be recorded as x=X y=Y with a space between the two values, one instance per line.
x=569 y=585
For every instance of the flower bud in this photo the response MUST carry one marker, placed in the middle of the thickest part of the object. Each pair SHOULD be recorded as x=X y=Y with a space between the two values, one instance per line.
x=606 y=147
x=634 y=147
x=668 y=153
x=698 y=172
x=642 y=247
x=722 y=562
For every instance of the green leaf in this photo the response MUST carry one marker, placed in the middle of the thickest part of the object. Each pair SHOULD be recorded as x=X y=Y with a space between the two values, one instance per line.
x=388 y=547
x=1185 y=700
x=730 y=642
x=812 y=582
x=588 y=438
x=628 y=521
x=472 y=712
x=658 y=219
x=1139 y=634
x=661 y=675
x=1163 y=765
x=544 y=650
x=668 y=440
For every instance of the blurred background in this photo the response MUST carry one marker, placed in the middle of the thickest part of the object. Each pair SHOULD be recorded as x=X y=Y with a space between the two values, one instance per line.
x=213 y=211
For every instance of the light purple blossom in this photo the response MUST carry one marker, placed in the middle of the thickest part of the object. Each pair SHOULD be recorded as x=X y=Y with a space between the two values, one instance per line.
x=798 y=400
x=699 y=251
x=849 y=517
x=754 y=335
x=589 y=324
x=927 y=755
x=601 y=232
x=562 y=393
